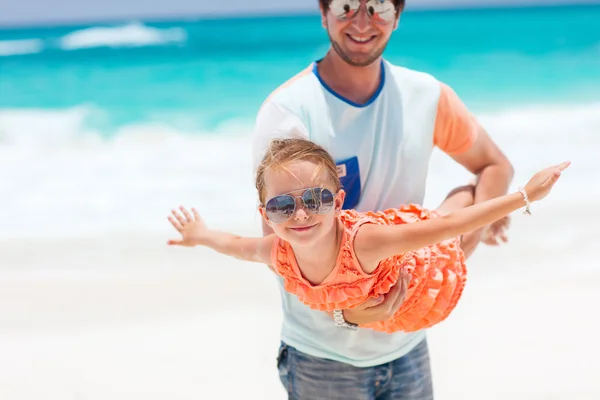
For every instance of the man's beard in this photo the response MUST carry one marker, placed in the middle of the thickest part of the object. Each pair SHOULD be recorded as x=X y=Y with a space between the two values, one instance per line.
x=371 y=58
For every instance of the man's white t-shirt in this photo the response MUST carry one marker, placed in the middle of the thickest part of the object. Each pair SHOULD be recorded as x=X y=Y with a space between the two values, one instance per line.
x=382 y=150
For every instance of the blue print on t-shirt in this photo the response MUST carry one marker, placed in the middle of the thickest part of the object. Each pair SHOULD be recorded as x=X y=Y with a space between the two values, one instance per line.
x=349 y=174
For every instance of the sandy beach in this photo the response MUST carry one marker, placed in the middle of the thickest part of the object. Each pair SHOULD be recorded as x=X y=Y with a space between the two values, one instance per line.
x=125 y=317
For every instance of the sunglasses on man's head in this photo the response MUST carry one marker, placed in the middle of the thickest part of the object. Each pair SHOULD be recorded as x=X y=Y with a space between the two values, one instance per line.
x=316 y=200
x=382 y=11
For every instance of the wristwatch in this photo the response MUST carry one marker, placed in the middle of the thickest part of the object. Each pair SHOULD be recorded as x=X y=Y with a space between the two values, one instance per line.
x=340 y=322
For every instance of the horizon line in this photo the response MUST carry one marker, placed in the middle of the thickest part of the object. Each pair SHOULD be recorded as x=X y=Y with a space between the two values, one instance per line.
x=165 y=18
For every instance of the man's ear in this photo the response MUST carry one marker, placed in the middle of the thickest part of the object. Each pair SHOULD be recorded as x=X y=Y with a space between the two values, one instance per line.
x=323 y=16
x=398 y=15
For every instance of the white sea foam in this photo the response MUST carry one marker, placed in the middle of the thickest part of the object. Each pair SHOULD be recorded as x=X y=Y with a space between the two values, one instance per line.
x=130 y=35
x=19 y=47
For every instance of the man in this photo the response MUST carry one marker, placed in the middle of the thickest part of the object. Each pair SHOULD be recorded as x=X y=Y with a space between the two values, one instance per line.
x=380 y=122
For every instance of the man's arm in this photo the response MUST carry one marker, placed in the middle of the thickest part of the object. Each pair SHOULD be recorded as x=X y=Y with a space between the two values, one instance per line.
x=382 y=308
x=459 y=135
x=485 y=160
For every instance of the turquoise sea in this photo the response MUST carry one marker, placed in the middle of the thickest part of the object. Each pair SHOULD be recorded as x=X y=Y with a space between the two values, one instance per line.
x=105 y=125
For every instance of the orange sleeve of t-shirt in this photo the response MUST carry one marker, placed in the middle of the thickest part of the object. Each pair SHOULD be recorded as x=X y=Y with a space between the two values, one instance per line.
x=455 y=127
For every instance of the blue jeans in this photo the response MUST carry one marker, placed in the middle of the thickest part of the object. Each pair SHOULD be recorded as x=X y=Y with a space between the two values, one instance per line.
x=310 y=378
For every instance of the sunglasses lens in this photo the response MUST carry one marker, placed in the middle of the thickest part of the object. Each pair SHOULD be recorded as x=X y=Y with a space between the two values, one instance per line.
x=381 y=10
x=344 y=9
x=279 y=209
x=318 y=201
x=326 y=199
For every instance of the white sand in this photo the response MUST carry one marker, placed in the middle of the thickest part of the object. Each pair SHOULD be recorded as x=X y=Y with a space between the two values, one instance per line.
x=122 y=318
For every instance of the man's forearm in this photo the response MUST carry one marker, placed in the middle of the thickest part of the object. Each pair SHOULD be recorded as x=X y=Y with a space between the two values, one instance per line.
x=493 y=181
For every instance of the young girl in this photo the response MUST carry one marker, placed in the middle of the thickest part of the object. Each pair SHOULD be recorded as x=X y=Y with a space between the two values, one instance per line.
x=335 y=259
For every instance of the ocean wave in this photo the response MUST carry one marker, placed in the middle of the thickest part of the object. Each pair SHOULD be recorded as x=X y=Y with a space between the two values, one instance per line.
x=65 y=177
x=130 y=35
x=518 y=127
x=20 y=47
x=69 y=178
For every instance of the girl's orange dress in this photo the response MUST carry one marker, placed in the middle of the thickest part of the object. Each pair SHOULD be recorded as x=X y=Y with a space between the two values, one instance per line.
x=438 y=274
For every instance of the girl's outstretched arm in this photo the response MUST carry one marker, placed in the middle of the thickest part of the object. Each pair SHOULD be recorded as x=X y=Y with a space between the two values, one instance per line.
x=194 y=232
x=377 y=242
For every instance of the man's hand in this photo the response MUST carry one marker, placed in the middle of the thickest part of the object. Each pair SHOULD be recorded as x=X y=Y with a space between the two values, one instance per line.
x=496 y=232
x=382 y=308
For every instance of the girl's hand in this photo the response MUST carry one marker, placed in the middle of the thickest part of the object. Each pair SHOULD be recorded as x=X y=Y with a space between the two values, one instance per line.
x=541 y=183
x=191 y=226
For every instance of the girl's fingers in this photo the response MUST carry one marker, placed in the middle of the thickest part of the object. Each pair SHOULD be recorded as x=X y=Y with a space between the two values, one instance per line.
x=181 y=220
x=175 y=223
x=186 y=213
x=196 y=214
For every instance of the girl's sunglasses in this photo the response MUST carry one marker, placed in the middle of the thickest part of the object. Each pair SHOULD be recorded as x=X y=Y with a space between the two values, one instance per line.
x=381 y=11
x=316 y=200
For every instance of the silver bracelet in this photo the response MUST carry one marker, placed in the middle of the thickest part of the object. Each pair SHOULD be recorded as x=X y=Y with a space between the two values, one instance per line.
x=340 y=322
x=527 y=203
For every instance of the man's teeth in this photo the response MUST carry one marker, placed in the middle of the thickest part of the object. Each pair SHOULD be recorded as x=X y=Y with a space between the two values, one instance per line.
x=361 y=40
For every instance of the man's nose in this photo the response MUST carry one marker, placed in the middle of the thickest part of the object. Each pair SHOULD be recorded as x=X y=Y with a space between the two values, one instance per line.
x=362 y=21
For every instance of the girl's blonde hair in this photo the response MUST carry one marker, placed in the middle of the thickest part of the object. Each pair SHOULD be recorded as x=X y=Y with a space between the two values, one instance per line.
x=282 y=152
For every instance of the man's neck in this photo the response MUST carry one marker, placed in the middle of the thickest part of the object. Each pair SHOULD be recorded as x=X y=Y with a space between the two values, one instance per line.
x=357 y=84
